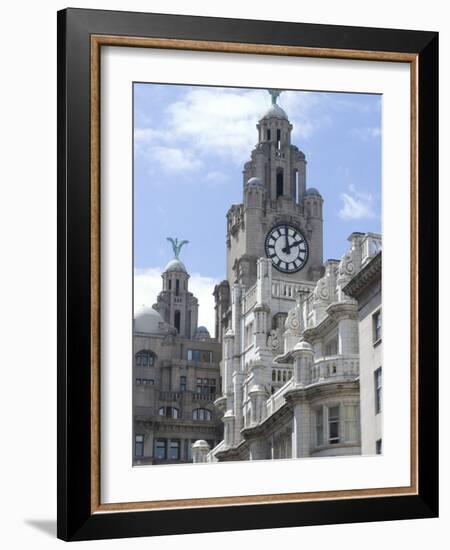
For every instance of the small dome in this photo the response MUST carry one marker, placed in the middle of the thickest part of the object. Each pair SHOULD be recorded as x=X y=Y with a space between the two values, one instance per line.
x=255 y=182
x=200 y=444
x=312 y=191
x=201 y=333
x=175 y=265
x=303 y=346
x=275 y=111
x=148 y=320
x=257 y=388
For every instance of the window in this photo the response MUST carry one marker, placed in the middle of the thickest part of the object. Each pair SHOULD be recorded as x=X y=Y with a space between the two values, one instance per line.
x=268 y=134
x=161 y=449
x=138 y=445
x=148 y=381
x=170 y=284
x=376 y=325
x=145 y=358
x=248 y=335
x=280 y=190
x=169 y=412
x=138 y=381
x=174 y=449
x=199 y=355
x=351 y=424
x=201 y=414
x=379 y=446
x=333 y=425
x=319 y=427
x=206 y=387
x=177 y=320
x=331 y=347
x=278 y=138
x=177 y=287
x=182 y=383
x=378 y=389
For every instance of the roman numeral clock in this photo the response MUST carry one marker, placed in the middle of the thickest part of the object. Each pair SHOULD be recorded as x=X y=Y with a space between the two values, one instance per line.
x=287 y=247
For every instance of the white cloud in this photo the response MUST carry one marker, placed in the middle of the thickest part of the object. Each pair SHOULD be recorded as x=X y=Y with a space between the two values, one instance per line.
x=366 y=134
x=219 y=122
x=357 y=205
x=148 y=284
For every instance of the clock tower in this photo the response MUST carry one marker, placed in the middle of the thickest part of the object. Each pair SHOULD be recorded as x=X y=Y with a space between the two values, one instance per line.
x=279 y=217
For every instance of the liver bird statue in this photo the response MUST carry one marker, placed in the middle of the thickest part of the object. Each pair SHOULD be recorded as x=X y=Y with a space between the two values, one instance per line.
x=176 y=245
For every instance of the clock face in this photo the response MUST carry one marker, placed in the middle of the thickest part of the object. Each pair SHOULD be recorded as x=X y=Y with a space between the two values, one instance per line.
x=287 y=248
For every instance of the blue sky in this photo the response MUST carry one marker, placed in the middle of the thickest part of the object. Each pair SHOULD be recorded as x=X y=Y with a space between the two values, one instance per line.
x=190 y=144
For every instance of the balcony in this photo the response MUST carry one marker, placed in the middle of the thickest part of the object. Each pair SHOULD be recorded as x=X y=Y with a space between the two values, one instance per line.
x=337 y=366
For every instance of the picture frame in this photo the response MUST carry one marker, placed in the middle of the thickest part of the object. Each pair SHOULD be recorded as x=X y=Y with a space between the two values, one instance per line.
x=81 y=35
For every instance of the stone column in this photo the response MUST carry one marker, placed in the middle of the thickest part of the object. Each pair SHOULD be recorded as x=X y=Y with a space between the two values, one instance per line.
x=301 y=433
x=303 y=355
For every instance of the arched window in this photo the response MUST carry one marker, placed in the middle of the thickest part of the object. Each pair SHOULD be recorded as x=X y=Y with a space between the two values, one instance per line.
x=280 y=189
x=201 y=414
x=145 y=358
x=177 y=320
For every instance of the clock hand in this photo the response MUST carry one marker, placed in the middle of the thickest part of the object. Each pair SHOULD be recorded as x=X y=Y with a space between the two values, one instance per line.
x=287 y=248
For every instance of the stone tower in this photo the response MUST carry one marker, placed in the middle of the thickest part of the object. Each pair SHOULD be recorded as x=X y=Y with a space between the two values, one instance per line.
x=175 y=303
x=274 y=194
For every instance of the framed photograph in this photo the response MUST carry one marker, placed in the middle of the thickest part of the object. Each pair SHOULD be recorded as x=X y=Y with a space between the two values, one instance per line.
x=247 y=274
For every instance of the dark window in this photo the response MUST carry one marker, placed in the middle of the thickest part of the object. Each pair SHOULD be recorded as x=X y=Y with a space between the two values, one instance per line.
x=138 y=381
x=170 y=284
x=333 y=424
x=378 y=390
x=138 y=445
x=177 y=320
x=268 y=134
x=148 y=381
x=174 y=453
x=201 y=414
x=280 y=183
x=169 y=412
x=206 y=387
x=278 y=139
x=199 y=356
x=161 y=449
x=378 y=446
x=376 y=323
x=182 y=383
x=145 y=358
x=177 y=287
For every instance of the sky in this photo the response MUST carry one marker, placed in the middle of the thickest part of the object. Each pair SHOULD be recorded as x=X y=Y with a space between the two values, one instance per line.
x=190 y=145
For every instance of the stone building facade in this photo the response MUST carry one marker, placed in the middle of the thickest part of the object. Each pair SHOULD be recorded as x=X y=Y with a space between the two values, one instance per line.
x=176 y=375
x=365 y=287
x=289 y=331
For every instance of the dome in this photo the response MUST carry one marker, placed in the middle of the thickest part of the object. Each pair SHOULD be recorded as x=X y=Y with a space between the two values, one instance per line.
x=255 y=182
x=201 y=333
x=200 y=443
x=312 y=191
x=275 y=111
x=303 y=346
x=175 y=265
x=148 y=320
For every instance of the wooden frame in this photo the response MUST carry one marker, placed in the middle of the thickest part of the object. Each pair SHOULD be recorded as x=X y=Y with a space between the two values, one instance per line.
x=81 y=34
